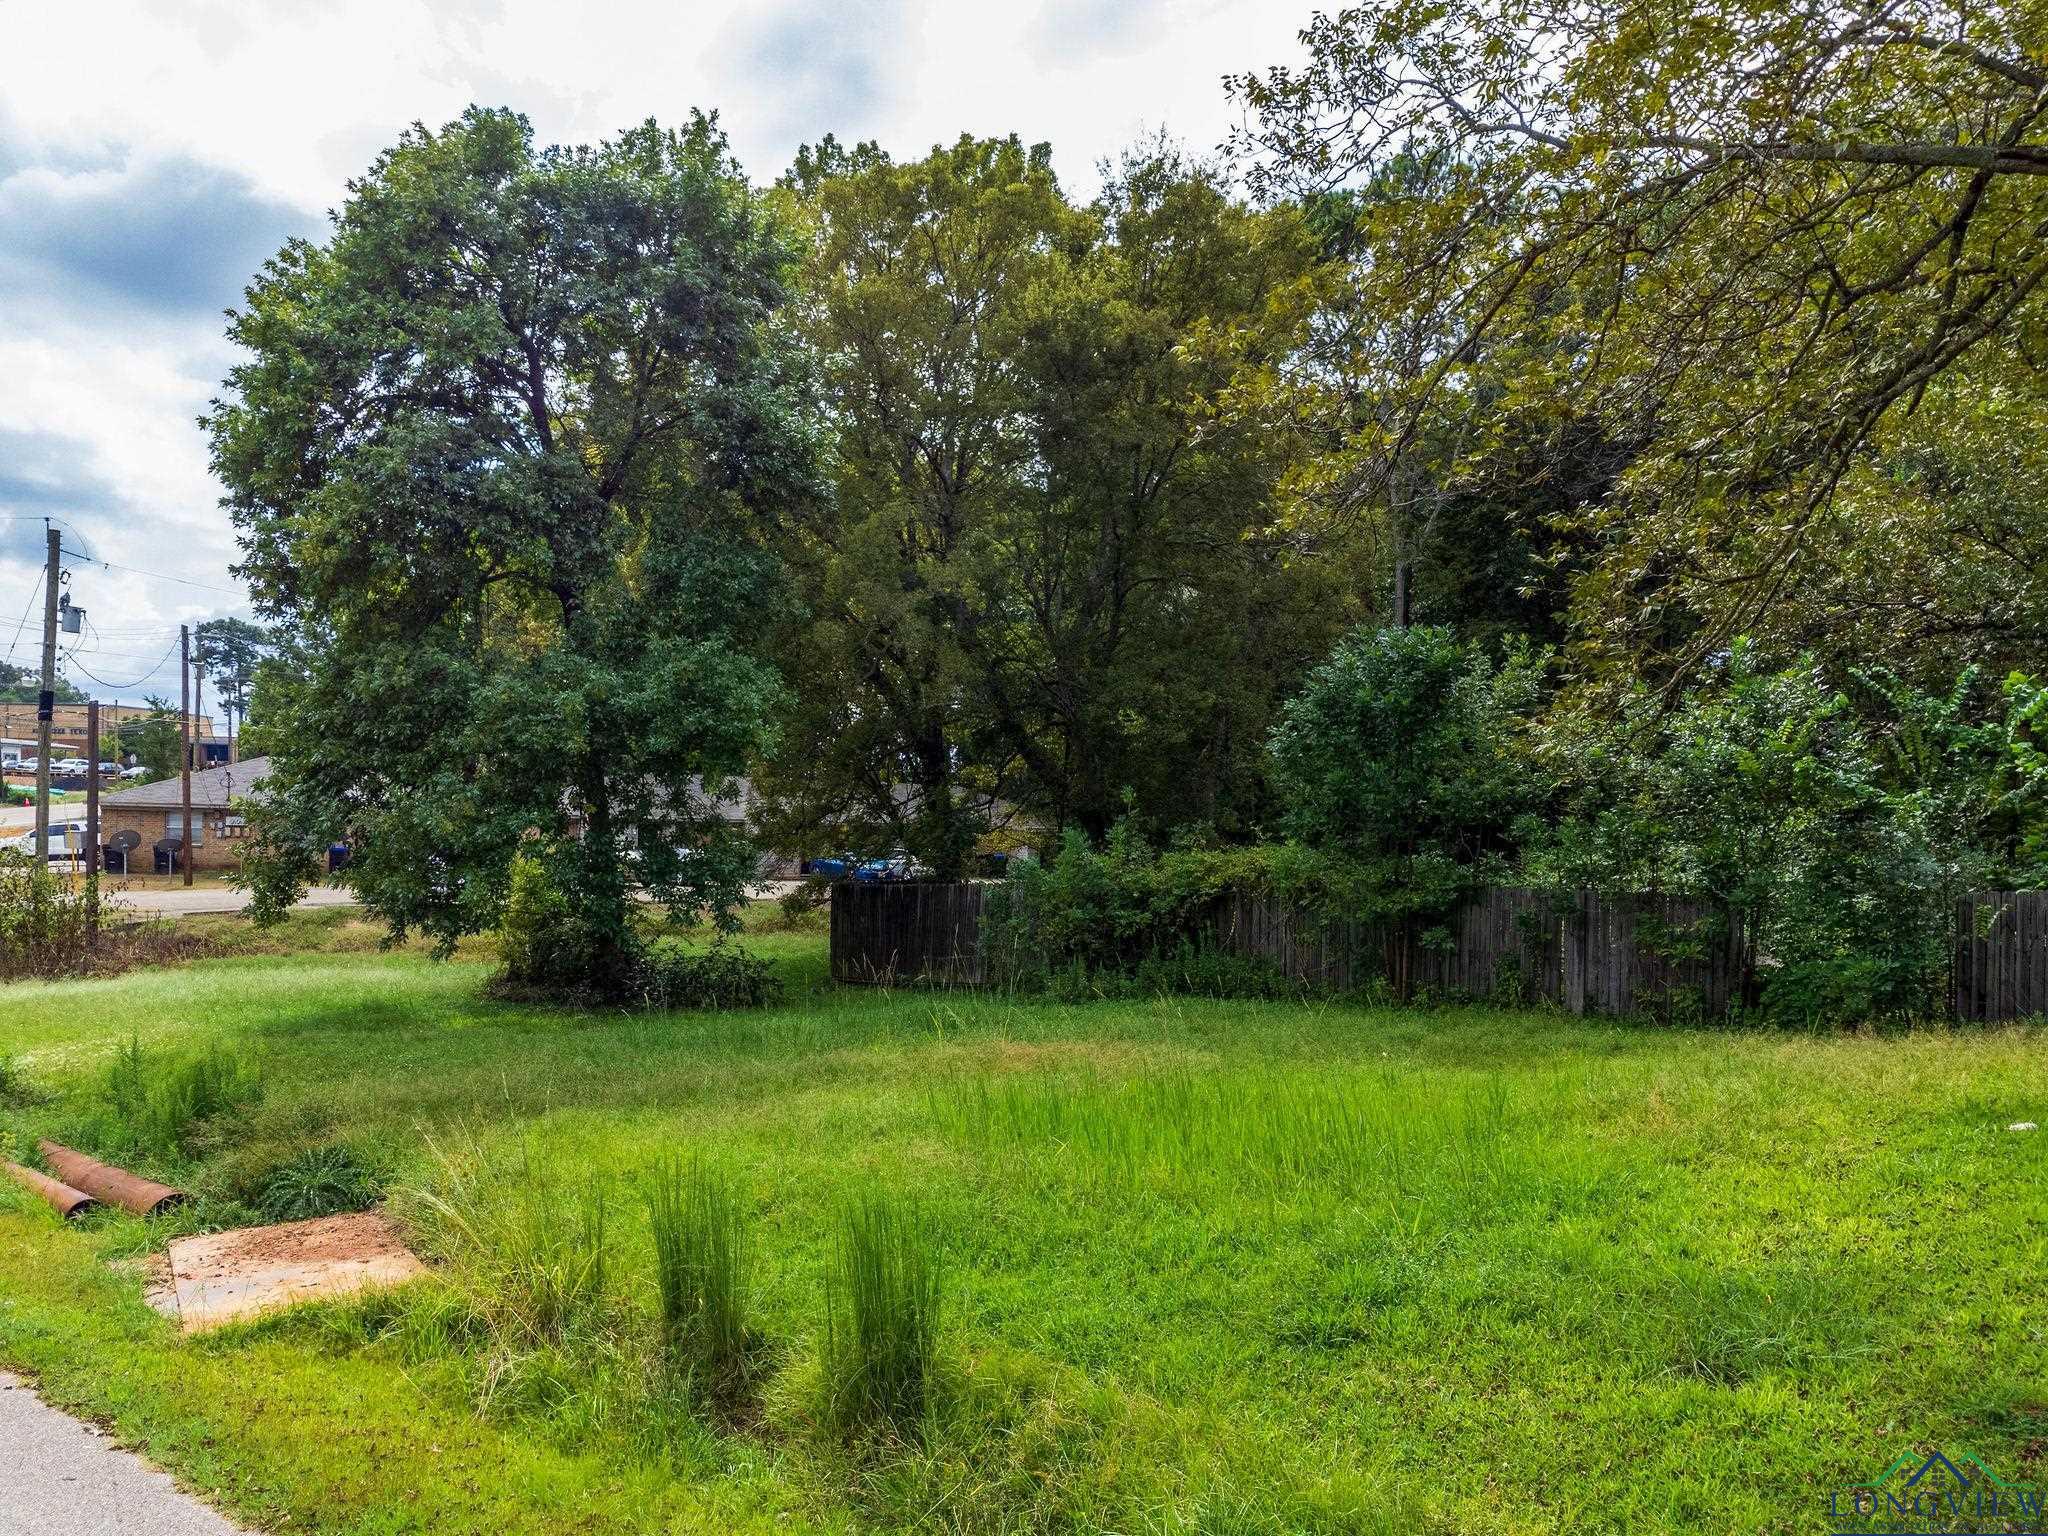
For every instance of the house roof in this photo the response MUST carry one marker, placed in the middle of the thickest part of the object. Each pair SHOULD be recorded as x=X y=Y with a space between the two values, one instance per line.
x=212 y=788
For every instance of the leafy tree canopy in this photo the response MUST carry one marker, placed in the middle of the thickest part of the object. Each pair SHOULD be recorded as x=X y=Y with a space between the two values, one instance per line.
x=498 y=450
x=1752 y=241
x=1050 y=579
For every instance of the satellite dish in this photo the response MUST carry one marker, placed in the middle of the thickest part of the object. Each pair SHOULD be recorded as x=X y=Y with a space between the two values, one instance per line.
x=167 y=844
x=125 y=839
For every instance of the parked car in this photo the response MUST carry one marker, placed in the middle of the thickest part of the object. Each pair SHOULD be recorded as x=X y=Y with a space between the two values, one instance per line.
x=71 y=765
x=139 y=771
x=67 y=842
x=27 y=765
x=108 y=770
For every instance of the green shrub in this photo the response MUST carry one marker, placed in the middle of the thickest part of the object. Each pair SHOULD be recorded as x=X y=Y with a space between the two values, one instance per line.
x=1836 y=825
x=528 y=933
x=722 y=976
x=881 y=1318
x=1402 y=755
x=700 y=1266
x=45 y=925
x=320 y=1181
x=1129 y=922
x=546 y=952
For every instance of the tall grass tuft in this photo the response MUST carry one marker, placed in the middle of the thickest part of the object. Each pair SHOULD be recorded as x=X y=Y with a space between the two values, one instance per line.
x=700 y=1271
x=529 y=1247
x=881 y=1317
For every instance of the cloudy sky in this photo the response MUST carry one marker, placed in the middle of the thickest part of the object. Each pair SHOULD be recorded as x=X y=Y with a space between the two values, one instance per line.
x=152 y=153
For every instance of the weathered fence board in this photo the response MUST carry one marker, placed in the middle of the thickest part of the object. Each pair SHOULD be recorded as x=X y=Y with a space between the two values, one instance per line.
x=2001 y=950
x=1589 y=954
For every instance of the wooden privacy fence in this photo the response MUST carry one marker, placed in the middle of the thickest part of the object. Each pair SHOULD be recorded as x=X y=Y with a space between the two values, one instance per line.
x=908 y=930
x=1588 y=953
x=2001 y=968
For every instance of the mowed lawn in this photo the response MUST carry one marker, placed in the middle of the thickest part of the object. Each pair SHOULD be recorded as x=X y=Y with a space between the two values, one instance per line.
x=1209 y=1267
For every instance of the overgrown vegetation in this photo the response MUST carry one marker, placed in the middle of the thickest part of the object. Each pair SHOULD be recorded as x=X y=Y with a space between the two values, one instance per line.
x=150 y=1104
x=543 y=945
x=700 y=1275
x=1298 y=1265
x=525 y=1240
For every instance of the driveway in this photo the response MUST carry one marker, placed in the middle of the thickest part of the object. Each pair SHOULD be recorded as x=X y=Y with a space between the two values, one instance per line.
x=65 y=1478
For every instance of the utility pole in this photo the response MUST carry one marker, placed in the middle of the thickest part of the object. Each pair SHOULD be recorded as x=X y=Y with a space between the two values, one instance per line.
x=53 y=577
x=185 y=741
x=92 y=828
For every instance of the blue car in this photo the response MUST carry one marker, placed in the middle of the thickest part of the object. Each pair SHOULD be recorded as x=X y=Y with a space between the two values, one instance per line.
x=895 y=866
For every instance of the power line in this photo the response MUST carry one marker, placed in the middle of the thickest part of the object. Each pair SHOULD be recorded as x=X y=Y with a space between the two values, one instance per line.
x=183 y=581
x=72 y=658
x=38 y=592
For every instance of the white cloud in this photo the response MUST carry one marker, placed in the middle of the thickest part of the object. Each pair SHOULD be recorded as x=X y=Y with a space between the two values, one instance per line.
x=207 y=129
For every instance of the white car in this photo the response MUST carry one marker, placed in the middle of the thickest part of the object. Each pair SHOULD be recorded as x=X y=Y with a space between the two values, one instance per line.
x=71 y=765
x=139 y=771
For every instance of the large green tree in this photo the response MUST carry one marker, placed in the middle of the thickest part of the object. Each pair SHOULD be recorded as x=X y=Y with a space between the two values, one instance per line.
x=1748 y=241
x=496 y=451
x=1050 y=579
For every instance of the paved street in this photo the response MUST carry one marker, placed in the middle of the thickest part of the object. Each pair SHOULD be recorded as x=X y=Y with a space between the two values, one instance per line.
x=59 y=1477
x=180 y=902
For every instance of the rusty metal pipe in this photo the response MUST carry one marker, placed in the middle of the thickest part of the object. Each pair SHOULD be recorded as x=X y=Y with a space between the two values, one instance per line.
x=116 y=1186
x=69 y=1202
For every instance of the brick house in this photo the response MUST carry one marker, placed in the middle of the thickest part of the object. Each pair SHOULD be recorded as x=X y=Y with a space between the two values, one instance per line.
x=154 y=812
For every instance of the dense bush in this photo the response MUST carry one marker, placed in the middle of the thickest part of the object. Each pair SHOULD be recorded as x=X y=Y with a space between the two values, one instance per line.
x=546 y=948
x=1130 y=921
x=1837 y=827
x=1403 y=756
x=1835 y=822
x=45 y=921
x=718 y=977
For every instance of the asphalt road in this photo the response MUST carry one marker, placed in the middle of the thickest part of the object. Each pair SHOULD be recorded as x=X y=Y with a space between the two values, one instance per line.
x=59 y=1477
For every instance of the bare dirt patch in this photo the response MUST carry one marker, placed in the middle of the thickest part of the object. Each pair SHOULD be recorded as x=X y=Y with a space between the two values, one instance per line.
x=229 y=1276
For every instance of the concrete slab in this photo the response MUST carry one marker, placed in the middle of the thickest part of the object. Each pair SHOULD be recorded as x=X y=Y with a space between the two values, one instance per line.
x=227 y=1276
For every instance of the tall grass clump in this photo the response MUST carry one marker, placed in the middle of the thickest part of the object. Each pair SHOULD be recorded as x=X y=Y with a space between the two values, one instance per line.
x=528 y=1247
x=700 y=1272
x=151 y=1104
x=881 y=1317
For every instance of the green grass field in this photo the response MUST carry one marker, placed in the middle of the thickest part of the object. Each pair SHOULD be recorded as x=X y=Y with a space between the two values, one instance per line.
x=1205 y=1267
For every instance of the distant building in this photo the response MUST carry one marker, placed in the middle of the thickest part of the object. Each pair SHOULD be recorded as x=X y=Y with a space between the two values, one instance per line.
x=67 y=721
x=155 y=812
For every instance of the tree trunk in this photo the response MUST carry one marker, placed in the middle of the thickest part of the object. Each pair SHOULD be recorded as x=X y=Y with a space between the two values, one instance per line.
x=601 y=900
